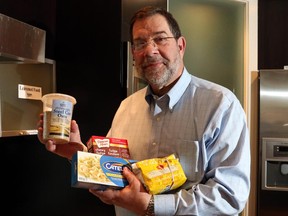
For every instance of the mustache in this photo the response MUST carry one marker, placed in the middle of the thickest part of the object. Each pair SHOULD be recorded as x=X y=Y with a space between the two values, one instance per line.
x=148 y=61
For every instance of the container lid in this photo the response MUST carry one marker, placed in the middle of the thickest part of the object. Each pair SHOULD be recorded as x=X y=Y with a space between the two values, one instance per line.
x=48 y=98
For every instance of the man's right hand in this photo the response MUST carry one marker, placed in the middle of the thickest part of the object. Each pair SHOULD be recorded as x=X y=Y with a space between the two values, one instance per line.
x=66 y=150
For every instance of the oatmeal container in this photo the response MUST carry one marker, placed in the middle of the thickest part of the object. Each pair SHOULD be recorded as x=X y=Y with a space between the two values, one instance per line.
x=58 y=110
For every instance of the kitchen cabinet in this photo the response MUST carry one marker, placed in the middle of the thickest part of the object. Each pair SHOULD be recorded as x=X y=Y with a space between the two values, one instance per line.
x=273 y=34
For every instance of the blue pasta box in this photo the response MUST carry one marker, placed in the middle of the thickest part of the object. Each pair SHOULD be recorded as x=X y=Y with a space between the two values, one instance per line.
x=97 y=171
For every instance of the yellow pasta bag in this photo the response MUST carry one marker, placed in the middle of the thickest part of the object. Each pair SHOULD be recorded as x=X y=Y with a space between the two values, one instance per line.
x=160 y=175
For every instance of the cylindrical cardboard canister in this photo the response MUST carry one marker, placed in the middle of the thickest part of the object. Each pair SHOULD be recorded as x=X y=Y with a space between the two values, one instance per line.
x=58 y=110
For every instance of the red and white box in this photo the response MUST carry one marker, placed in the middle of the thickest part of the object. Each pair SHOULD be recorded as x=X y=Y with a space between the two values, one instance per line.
x=115 y=147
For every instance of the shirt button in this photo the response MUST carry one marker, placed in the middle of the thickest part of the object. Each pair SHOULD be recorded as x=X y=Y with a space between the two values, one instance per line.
x=158 y=118
x=154 y=143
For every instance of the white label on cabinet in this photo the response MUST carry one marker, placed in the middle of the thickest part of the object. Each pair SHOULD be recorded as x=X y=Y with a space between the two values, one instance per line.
x=29 y=92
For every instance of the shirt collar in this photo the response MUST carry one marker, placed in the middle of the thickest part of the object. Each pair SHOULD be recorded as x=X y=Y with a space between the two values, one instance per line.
x=176 y=92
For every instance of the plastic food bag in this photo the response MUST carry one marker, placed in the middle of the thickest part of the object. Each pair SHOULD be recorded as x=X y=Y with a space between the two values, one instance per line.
x=160 y=175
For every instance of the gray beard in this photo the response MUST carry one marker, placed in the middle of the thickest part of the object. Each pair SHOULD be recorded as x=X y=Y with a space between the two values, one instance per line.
x=160 y=81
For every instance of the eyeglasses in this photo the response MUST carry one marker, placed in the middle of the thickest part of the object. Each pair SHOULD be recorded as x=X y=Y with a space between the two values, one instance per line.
x=139 y=45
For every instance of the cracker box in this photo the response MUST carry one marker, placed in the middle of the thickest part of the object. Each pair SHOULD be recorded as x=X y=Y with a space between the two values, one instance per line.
x=96 y=171
x=108 y=146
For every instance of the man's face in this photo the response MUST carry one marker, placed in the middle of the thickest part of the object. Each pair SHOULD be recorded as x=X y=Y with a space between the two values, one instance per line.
x=158 y=55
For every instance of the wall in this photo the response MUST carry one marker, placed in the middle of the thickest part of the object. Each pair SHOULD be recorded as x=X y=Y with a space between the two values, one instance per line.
x=89 y=61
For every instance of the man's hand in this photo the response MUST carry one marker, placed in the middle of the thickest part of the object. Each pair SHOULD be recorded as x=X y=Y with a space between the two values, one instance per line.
x=64 y=150
x=133 y=197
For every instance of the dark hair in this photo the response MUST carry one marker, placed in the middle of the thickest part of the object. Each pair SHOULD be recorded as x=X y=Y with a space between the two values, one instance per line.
x=150 y=11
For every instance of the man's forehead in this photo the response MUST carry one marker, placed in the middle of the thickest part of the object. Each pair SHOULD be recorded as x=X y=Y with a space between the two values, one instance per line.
x=151 y=25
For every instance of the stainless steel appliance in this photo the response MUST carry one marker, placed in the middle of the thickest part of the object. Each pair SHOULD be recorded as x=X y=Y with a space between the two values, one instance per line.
x=273 y=129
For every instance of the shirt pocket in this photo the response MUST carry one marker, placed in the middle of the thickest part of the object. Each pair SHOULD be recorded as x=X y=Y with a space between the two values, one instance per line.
x=189 y=157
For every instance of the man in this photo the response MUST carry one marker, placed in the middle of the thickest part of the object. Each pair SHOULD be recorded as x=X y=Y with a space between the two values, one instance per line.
x=200 y=122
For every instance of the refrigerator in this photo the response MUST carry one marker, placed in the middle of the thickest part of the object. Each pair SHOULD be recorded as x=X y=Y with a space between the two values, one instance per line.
x=273 y=129
x=273 y=141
